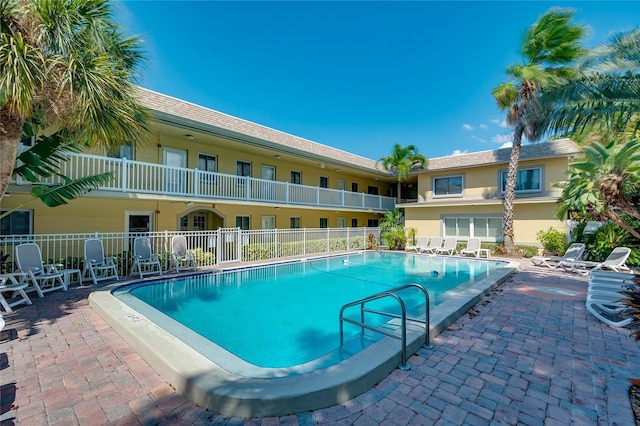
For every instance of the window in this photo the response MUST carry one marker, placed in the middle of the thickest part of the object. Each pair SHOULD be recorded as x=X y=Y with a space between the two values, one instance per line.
x=342 y=184
x=294 y=223
x=451 y=185
x=487 y=228
x=268 y=222
x=324 y=182
x=342 y=222
x=324 y=222
x=124 y=150
x=354 y=222
x=207 y=163
x=242 y=222
x=17 y=223
x=373 y=190
x=354 y=186
x=372 y=223
x=296 y=177
x=526 y=180
x=243 y=168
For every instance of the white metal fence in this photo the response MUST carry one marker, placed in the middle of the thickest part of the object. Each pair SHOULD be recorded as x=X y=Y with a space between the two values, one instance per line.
x=220 y=246
x=149 y=178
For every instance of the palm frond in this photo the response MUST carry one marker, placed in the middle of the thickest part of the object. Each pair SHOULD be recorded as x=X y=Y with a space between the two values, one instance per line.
x=57 y=195
x=44 y=159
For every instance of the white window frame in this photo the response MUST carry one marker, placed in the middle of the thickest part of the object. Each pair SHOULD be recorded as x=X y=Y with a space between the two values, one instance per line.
x=326 y=220
x=264 y=219
x=238 y=162
x=215 y=159
x=326 y=179
x=292 y=219
x=342 y=184
x=472 y=226
x=342 y=222
x=243 y=218
x=125 y=150
x=504 y=172
x=433 y=186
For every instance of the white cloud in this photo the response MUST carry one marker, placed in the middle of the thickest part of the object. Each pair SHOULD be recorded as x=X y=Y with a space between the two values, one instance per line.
x=503 y=140
x=478 y=139
x=459 y=152
x=484 y=126
x=467 y=127
x=499 y=122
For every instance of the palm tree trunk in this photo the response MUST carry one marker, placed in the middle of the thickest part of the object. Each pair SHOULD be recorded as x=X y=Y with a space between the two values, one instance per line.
x=508 y=241
x=399 y=195
x=10 y=137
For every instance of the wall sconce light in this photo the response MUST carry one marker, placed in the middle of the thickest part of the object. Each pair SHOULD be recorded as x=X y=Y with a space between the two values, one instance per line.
x=336 y=170
x=188 y=203
x=190 y=137
x=322 y=165
x=277 y=156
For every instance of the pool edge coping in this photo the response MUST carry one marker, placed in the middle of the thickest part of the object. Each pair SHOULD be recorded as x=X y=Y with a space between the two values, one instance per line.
x=210 y=386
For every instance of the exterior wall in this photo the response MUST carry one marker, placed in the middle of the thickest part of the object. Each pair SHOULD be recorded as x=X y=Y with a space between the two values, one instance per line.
x=107 y=214
x=483 y=181
x=528 y=218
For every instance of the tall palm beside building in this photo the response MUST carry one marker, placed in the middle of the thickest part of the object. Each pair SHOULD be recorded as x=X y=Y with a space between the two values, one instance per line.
x=401 y=162
x=66 y=65
x=551 y=45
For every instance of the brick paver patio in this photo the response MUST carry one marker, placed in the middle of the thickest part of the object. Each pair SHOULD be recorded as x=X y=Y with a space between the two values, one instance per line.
x=529 y=354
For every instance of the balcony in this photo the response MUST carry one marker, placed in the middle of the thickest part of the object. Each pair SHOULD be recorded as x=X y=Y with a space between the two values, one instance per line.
x=148 y=178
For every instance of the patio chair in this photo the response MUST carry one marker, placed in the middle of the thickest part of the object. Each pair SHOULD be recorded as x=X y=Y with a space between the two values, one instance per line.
x=608 y=307
x=573 y=253
x=449 y=247
x=181 y=258
x=435 y=243
x=144 y=260
x=612 y=281
x=43 y=278
x=99 y=266
x=616 y=261
x=473 y=247
x=14 y=283
x=421 y=242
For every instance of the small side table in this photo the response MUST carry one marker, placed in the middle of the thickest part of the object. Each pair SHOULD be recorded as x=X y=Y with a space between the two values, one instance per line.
x=69 y=273
x=484 y=251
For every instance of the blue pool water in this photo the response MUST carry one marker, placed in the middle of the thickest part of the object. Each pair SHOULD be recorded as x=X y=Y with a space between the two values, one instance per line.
x=288 y=314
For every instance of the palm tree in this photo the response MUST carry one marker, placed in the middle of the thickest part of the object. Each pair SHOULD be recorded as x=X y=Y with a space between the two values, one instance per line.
x=599 y=185
x=603 y=101
x=66 y=65
x=401 y=162
x=550 y=45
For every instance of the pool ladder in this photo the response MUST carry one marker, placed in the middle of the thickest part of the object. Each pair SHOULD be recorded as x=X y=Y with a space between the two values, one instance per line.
x=403 y=318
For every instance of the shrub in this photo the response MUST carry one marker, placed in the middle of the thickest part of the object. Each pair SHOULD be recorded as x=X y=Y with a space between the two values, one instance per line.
x=552 y=240
x=606 y=238
x=395 y=238
x=372 y=242
x=527 y=251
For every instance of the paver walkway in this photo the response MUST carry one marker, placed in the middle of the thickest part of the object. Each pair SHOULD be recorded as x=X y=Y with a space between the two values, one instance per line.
x=529 y=354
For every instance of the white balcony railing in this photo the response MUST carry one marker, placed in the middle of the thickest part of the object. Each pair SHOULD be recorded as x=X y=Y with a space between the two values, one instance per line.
x=209 y=248
x=149 y=178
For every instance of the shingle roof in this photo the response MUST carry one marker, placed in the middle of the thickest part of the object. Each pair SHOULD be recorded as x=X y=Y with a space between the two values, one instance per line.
x=532 y=151
x=198 y=116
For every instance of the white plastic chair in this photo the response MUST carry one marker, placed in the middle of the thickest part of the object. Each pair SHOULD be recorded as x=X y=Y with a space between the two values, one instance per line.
x=449 y=247
x=44 y=278
x=434 y=244
x=181 y=257
x=99 y=266
x=473 y=247
x=421 y=242
x=144 y=260
x=616 y=261
x=14 y=283
x=572 y=254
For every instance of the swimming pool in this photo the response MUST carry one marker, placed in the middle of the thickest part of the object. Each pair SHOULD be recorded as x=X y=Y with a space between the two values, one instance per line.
x=264 y=344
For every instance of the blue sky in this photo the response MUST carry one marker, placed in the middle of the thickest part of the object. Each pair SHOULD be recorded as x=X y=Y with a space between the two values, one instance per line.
x=359 y=76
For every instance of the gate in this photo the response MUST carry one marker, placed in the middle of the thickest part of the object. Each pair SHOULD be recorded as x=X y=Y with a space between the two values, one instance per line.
x=228 y=245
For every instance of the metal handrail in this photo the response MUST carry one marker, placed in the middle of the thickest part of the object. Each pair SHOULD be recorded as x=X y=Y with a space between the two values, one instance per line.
x=403 y=319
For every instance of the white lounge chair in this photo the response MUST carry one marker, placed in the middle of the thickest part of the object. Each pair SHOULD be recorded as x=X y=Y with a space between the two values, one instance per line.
x=144 y=260
x=43 y=278
x=616 y=261
x=15 y=284
x=473 y=247
x=181 y=258
x=449 y=247
x=435 y=243
x=572 y=254
x=608 y=307
x=421 y=242
x=99 y=266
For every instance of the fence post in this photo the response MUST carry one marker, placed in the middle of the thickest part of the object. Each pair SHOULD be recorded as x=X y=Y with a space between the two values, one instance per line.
x=275 y=244
x=196 y=182
x=124 y=169
x=328 y=240
x=348 y=240
x=304 y=241
x=218 y=245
